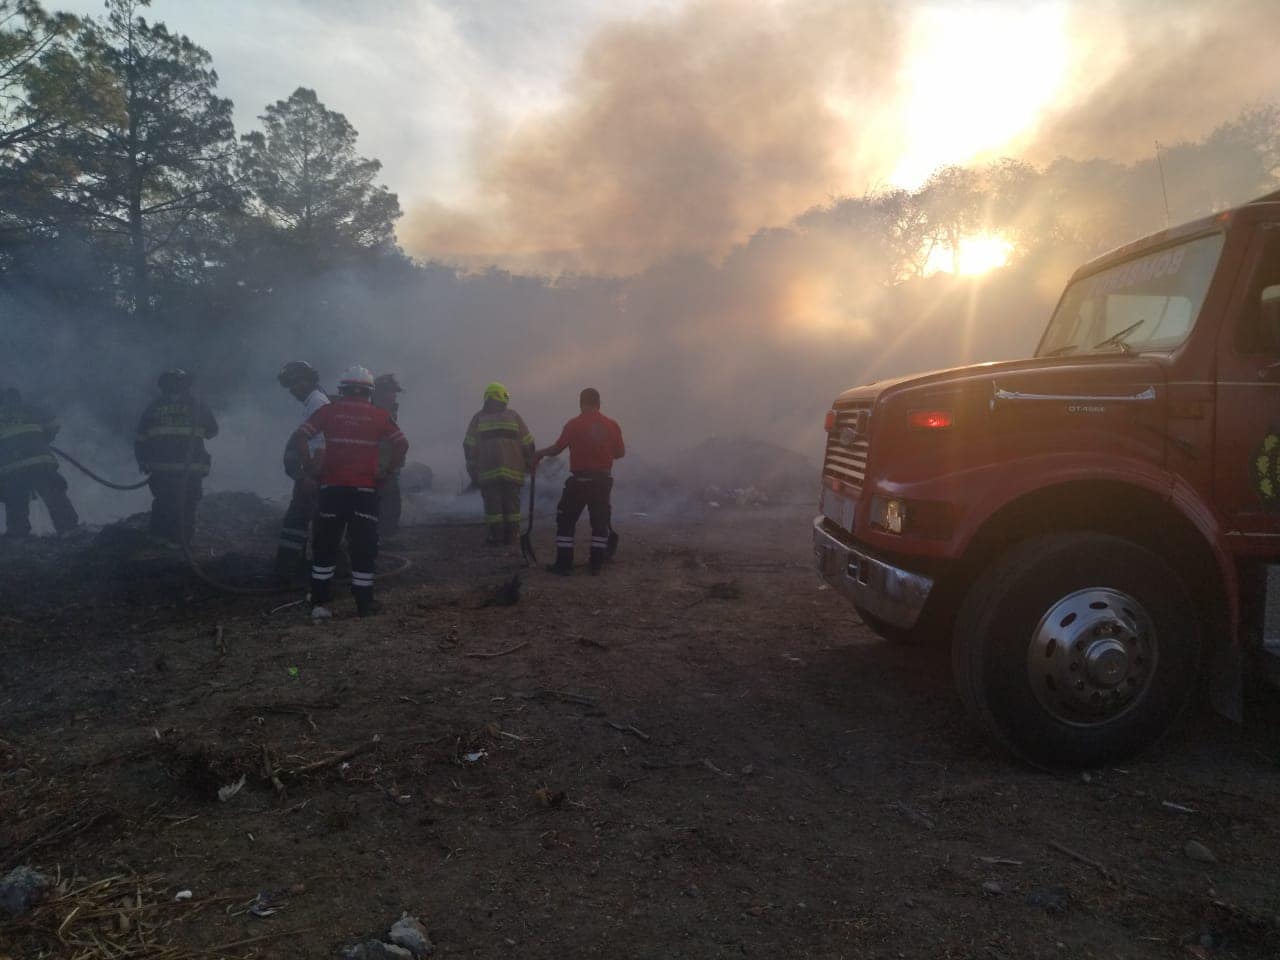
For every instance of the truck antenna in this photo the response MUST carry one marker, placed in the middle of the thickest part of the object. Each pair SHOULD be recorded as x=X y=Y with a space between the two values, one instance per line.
x=1164 y=191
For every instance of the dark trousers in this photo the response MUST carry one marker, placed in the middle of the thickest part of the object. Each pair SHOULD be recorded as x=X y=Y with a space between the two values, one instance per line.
x=175 y=496
x=389 y=505
x=46 y=483
x=501 y=509
x=355 y=511
x=590 y=492
x=292 y=550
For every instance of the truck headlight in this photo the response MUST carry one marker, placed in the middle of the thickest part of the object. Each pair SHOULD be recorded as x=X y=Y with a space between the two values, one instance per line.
x=888 y=514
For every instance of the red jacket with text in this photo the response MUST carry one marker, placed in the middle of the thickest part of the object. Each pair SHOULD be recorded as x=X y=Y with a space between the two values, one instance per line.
x=353 y=430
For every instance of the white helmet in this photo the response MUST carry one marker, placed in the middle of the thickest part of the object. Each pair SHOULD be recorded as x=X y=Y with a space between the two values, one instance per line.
x=355 y=378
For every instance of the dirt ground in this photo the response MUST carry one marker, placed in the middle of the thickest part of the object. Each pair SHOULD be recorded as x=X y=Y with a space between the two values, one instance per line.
x=699 y=754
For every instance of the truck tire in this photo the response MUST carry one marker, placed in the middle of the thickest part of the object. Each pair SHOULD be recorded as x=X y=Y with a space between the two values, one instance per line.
x=1077 y=649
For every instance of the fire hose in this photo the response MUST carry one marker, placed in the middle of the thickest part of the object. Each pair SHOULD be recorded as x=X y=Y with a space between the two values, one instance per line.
x=93 y=476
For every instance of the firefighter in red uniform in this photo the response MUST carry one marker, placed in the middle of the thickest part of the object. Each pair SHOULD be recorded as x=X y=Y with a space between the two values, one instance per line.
x=594 y=442
x=352 y=428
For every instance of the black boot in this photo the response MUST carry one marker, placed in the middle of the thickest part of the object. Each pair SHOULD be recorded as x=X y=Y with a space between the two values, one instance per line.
x=597 y=560
x=364 y=601
x=564 y=562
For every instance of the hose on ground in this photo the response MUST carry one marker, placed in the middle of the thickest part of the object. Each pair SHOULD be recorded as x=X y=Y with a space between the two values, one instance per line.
x=93 y=476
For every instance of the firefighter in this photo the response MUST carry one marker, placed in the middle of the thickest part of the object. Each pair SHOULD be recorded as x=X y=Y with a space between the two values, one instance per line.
x=499 y=452
x=301 y=380
x=594 y=442
x=347 y=472
x=28 y=468
x=170 y=449
x=385 y=389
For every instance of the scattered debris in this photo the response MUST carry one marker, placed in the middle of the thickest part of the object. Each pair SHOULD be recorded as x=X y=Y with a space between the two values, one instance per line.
x=1000 y=862
x=914 y=815
x=231 y=789
x=1048 y=899
x=561 y=695
x=622 y=783
x=547 y=797
x=376 y=950
x=408 y=932
x=183 y=895
x=720 y=590
x=628 y=728
x=1176 y=807
x=499 y=653
x=1106 y=872
x=475 y=756
x=506 y=594
x=21 y=889
x=992 y=889
x=267 y=903
x=1195 y=850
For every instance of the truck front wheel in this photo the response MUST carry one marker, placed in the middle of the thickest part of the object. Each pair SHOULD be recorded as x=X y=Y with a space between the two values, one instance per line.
x=1077 y=649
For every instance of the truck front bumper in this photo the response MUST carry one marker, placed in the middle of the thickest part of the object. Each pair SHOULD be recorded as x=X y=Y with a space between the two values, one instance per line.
x=889 y=593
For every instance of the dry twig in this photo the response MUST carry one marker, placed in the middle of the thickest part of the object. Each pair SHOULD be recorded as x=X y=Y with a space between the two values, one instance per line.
x=1106 y=872
x=628 y=728
x=498 y=653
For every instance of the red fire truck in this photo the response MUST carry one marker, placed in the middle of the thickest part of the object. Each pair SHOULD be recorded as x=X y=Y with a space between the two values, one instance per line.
x=1092 y=526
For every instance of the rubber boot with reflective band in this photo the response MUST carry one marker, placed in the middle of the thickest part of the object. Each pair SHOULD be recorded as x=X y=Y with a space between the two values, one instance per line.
x=564 y=557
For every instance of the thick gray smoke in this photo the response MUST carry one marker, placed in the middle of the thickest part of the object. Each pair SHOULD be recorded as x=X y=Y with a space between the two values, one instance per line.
x=699 y=161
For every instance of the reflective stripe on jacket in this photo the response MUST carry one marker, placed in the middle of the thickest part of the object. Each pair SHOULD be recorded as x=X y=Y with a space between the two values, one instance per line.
x=498 y=446
x=171 y=436
x=25 y=435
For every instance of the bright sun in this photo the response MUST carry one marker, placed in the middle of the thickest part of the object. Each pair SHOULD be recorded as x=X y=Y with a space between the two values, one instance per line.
x=978 y=253
x=976 y=77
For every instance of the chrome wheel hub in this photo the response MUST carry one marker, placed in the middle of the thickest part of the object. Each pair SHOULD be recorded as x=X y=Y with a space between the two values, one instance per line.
x=1092 y=656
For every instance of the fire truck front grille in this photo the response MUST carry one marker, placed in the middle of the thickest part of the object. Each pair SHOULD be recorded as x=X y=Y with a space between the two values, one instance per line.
x=847 y=444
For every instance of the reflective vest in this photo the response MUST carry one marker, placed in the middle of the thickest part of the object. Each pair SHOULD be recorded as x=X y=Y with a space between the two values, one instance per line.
x=498 y=446
x=171 y=436
x=25 y=434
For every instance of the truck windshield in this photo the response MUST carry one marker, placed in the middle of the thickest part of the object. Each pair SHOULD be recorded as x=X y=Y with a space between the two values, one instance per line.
x=1148 y=303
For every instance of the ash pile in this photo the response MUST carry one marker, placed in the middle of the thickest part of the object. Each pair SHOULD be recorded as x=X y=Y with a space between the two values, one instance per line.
x=232 y=521
x=746 y=473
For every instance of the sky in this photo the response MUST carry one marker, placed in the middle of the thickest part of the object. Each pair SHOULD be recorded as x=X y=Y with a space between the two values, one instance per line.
x=585 y=136
x=414 y=77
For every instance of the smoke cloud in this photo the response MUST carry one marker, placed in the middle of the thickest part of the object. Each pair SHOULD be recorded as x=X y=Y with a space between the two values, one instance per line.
x=683 y=134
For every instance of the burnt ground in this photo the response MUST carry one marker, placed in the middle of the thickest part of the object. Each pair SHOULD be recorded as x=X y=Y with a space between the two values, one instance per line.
x=700 y=754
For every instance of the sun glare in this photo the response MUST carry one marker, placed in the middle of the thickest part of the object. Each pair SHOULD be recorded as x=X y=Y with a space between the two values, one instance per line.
x=976 y=78
x=978 y=253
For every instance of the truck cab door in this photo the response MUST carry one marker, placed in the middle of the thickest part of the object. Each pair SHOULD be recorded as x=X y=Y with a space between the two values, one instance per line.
x=1246 y=466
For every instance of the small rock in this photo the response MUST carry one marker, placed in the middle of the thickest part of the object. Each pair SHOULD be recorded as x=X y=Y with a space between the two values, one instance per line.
x=21 y=890
x=408 y=932
x=1199 y=852
x=992 y=889
x=692 y=890
x=1048 y=899
x=376 y=950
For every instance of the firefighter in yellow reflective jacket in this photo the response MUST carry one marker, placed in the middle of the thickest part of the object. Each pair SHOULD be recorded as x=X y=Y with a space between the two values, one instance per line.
x=28 y=468
x=170 y=449
x=499 y=450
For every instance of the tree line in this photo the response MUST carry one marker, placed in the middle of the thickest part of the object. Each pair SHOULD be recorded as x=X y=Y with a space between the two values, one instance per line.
x=124 y=185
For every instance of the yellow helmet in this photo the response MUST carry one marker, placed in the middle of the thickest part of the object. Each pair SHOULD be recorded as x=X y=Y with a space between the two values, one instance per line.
x=496 y=391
